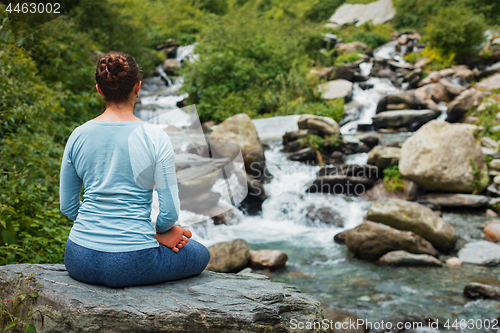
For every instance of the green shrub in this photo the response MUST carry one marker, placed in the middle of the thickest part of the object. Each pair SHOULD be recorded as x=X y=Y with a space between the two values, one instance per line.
x=252 y=64
x=347 y=58
x=393 y=180
x=455 y=31
x=368 y=33
x=322 y=10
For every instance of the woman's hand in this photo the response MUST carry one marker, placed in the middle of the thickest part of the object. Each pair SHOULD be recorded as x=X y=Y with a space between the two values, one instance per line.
x=175 y=238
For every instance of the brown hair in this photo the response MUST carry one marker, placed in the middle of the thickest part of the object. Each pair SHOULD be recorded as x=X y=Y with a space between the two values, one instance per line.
x=116 y=74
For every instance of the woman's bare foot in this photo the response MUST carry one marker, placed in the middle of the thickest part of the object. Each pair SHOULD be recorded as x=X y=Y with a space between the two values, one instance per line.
x=175 y=238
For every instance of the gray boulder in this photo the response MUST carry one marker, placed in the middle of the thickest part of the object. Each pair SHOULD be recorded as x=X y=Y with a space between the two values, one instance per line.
x=208 y=302
x=403 y=258
x=384 y=157
x=323 y=125
x=482 y=253
x=464 y=102
x=336 y=89
x=229 y=257
x=412 y=119
x=239 y=131
x=411 y=216
x=324 y=215
x=406 y=100
x=444 y=157
x=372 y=240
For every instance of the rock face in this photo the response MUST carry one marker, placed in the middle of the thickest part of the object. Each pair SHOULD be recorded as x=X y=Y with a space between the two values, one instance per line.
x=403 y=258
x=466 y=101
x=411 y=216
x=240 y=130
x=372 y=240
x=208 y=302
x=482 y=253
x=268 y=259
x=378 y=12
x=444 y=157
x=229 y=257
x=384 y=157
x=336 y=89
x=413 y=119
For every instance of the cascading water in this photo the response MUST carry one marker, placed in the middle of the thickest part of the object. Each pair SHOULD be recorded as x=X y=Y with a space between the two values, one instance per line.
x=316 y=264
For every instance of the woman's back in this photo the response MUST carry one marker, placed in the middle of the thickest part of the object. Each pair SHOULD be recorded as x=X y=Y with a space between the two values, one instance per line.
x=116 y=161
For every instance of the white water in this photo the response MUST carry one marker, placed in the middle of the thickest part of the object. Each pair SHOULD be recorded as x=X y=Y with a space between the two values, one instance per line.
x=284 y=212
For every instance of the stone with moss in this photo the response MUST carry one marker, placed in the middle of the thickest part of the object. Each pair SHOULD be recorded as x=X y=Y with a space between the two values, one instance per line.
x=411 y=216
x=445 y=157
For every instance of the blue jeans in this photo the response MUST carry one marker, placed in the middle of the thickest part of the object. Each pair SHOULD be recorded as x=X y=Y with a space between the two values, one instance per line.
x=134 y=268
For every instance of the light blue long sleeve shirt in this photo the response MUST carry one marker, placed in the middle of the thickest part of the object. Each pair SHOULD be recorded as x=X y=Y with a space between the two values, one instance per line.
x=119 y=163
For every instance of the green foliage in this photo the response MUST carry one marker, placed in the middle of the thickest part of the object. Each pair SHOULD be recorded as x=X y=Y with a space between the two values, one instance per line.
x=17 y=313
x=368 y=33
x=486 y=120
x=251 y=64
x=481 y=179
x=393 y=180
x=455 y=33
x=412 y=57
x=323 y=10
x=347 y=58
x=312 y=141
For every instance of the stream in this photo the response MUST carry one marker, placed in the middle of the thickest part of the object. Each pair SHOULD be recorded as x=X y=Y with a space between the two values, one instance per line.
x=316 y=264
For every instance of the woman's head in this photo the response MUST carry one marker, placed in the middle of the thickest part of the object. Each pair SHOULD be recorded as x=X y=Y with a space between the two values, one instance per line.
x=116 y=74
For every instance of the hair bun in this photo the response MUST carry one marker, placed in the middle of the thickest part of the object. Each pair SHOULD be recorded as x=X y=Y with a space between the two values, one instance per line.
x=113 y=67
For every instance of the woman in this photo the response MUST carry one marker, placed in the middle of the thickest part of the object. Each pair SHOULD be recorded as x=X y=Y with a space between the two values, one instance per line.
x=120 y=159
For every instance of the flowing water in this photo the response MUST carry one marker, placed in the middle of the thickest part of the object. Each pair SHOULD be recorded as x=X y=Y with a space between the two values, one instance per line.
x=324 y=269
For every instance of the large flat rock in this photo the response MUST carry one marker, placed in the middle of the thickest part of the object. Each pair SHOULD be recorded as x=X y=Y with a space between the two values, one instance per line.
x=481 y=252
x=209 y=302
x=378 y=12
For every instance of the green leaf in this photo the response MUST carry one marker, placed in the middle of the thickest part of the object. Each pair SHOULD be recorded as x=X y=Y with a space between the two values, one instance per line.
x=29 y=329
x=9 y=326
x=34 y=294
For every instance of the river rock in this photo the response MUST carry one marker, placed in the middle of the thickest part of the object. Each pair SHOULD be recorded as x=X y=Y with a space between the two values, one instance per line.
x=433 y=77
x=271 y=259
x=447 y=72
x=325 y=215
x=336 y=89
x=490 y=83
x=440 y=156
x=448 y=200
x=412 y=119
x=482 y=253
x=476 y=290
x=384 y=157
x=229 y=257
x=465 y=74
x=464 y=102
x=452 y=88
x=252 y=204
x=492 y=231
x=411 y=216
x=489 y=143
x=170 y=66
x=377 y=12
x=409 y=99
x=203 y=303
x=372 y=240
x=435 y=91
x=346 y=48
x=303 y=155
x=403 y=258
x=339 y=238
x=201 y=203
x=453 y=261
x=239 y=130
x=323 y=125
